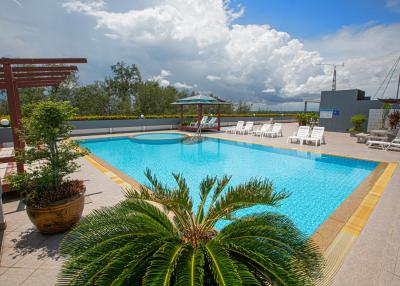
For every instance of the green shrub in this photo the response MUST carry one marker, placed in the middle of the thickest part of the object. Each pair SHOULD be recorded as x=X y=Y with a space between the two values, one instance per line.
x=358 y=120
x=305 y=118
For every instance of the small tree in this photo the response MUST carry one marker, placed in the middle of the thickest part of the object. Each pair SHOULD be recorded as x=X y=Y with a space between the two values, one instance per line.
x=49 y=153
x=357 y=121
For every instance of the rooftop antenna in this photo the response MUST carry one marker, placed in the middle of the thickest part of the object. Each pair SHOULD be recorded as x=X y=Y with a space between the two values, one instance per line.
x=334 y=72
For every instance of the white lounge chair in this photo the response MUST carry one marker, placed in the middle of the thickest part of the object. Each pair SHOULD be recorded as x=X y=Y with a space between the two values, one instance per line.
x=264 y=128
x=247 y=128
x=210 y=123
x=317 y=136
x=275 y=131
x=384 y=144
x=239 y=126
x=202 y=122
x=301 y=133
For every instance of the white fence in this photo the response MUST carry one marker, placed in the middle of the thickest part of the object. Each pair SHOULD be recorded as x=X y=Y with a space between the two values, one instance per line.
x=375 y=119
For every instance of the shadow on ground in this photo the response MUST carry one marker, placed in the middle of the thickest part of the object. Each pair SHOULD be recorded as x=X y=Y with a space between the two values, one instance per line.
x=31 y=241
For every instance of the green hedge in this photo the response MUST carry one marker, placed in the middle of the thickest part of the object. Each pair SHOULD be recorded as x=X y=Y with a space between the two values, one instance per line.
x=120 y=117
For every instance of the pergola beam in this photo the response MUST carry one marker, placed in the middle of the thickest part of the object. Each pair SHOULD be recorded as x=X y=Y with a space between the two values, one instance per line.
x=41 y=74
x=44 y=69
x=42 y=61
x=37 y=80
x=39 y=84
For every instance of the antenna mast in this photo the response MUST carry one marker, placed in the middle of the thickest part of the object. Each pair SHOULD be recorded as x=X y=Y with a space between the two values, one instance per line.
x=334 y=72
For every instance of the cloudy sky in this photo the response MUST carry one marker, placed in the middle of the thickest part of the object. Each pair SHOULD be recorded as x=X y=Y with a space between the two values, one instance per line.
x=264 y=52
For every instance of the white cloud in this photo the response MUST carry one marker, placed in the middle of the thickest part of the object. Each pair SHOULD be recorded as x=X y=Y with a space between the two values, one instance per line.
x=182 y=85
x=268 y=90
x=200 y=41
x=17 y=2
x=393 y=5
x=203 y=35
x=213 y=77
x=161 y=78
x=368 y=52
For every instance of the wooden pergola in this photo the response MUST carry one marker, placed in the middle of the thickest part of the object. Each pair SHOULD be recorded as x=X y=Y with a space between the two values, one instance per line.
x=200 y=100
x=16 y=73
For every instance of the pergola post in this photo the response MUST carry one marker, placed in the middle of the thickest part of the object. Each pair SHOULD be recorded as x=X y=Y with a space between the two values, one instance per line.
x=181 y=117
x=14 y=109
x=219 y=117
x=199 y=114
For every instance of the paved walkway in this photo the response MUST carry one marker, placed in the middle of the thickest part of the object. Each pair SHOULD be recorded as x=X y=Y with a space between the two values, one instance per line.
x=30 y=258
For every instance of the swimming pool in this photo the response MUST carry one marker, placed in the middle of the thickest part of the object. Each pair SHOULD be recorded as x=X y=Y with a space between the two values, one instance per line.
x=318 y=183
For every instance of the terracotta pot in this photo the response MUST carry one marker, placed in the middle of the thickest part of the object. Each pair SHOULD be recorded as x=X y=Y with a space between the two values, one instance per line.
x=59 y=217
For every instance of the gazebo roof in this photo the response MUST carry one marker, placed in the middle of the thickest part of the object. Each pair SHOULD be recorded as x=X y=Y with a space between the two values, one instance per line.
x=199 y=99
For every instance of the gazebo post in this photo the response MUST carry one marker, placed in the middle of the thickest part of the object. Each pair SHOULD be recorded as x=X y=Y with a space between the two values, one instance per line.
x=181 y=118
x=199 y=114
x=15 y=112
x=219 y=117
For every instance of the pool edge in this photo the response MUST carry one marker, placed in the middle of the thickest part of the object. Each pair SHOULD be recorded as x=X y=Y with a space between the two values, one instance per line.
x=342 y=243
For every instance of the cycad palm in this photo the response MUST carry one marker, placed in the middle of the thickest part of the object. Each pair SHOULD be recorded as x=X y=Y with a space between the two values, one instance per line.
x=155 y=238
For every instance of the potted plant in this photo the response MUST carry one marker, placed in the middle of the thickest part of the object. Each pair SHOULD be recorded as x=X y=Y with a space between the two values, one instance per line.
x=357 y=120
x=394 y=119
x=54 y=202
x=303 y=119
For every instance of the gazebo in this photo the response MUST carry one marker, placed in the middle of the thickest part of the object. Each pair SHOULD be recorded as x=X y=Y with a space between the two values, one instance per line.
x=200 y=100
x=18 y=73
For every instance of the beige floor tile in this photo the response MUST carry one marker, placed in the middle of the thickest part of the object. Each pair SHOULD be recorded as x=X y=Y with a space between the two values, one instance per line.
x=15 y=276
x=41 y=277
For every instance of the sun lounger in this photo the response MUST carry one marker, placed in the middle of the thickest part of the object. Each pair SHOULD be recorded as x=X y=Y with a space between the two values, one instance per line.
x=202 y=122
x=275 y=131
x=210 y=123
x=247 y=128
x=395 y=143
x=238 y=127
x=317 y=136
x=264 y=128
x=301 y=133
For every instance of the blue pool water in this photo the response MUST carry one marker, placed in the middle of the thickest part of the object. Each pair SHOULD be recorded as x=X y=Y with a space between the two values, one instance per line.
x=318 y=183
x=159 y=136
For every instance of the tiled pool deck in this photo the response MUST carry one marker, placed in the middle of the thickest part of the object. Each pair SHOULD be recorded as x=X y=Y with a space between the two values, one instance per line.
x=30 y=258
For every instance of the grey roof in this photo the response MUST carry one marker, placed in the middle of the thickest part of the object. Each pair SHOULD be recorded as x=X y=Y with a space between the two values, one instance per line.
x=199 y=99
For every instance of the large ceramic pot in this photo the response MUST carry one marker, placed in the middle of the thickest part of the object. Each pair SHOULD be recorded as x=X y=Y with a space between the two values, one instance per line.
x=59 y=217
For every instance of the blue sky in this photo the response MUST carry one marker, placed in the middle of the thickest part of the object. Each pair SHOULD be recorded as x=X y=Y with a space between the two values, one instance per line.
x=313 y=18
x=265 y=52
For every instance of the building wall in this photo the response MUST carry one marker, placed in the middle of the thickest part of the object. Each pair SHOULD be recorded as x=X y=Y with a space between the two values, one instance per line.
x=345 y=104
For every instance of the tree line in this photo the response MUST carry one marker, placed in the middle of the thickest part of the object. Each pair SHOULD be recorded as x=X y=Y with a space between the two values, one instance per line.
x=124 y=92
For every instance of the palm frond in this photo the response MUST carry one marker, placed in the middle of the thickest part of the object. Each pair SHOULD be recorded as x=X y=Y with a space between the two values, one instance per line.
x=278 y=238
x=163 y=264
x=254 y=192
x=222 y=267
x=99 y=266
x=190 y=267
x=206 y=186
x=246 y=276
x=221 y=185
x=128 y=217
x=272 y=273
